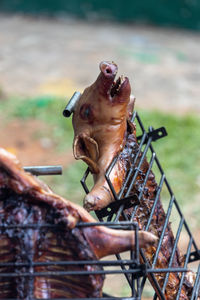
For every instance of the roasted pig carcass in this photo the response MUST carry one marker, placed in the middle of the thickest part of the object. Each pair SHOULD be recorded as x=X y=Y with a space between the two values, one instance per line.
x=102 y=131
x=27 y=206
x=100 y=122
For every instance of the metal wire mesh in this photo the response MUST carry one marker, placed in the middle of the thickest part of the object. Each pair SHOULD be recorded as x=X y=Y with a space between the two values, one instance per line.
x=122 y=201
x=134 y=272
x=130 y=268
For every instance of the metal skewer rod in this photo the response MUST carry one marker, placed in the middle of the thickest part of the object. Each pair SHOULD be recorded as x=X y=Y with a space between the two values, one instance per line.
x=44 y=170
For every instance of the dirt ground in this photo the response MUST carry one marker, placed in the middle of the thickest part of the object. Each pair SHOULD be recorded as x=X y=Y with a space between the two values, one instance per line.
x=58 y=56
x=24 y=139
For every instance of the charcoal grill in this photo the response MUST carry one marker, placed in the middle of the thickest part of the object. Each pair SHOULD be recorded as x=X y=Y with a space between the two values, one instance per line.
x=134 y=272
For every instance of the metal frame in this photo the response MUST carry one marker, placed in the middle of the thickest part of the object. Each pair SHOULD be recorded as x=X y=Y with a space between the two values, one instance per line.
x=131 y=268
x=116 y=209
x=134 y=272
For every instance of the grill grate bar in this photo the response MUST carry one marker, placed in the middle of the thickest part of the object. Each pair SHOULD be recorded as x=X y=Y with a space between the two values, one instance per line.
x=152 y=276
x=123 y=268
x=84 y=179
x=173 y=252
x=132 y=169
x=27 y=226
x=134 y=256
x=104 y=298
x=142 y=285
x=196 y=288
x=155 y=201
x=111 y=187
x=113 y=225
x=134 y=115
x=139 y=271
x=138 y=167
x=123 y=262
x=140 y=122
x=185 y=265
x=163 y=231
x=143 y=186
x=186 y=227
x=147 y=175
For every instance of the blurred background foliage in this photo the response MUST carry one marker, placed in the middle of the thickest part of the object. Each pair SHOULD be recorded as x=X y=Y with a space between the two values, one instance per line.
x=181 y=13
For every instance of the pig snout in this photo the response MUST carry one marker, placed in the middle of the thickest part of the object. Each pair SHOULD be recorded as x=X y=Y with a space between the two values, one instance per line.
x=109 y=69
x=93 y=200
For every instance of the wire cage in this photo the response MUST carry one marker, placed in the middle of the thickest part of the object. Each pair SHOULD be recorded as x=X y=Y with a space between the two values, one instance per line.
x=135 y=271
x=130 y=268
x=173 y=213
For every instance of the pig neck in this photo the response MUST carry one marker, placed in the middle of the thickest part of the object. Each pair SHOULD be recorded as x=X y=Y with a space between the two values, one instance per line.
x=101 y=189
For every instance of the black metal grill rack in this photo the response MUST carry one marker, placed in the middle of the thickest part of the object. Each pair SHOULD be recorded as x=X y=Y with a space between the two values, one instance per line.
x=113 y=211
x=130 y=268
x=134 y=272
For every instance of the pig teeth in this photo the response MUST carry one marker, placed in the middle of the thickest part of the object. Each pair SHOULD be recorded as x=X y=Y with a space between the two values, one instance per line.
x=117 y=85
x=122 y=79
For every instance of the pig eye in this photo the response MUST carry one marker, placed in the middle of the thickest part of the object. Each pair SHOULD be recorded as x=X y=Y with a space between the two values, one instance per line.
x=86 y=112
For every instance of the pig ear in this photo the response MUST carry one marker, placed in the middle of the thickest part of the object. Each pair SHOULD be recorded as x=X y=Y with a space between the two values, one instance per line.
x=86 y=148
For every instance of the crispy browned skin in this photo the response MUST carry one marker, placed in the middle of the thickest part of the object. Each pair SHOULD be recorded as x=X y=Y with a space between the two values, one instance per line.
x=99 y=122
x=26 y=200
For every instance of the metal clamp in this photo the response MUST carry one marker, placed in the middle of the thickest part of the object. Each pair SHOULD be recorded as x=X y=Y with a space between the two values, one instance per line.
x=155 y=134
x=194 y=256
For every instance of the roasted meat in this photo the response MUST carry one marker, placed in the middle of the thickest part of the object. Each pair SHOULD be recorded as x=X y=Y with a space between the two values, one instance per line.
x=37 y=226
x=110 y=139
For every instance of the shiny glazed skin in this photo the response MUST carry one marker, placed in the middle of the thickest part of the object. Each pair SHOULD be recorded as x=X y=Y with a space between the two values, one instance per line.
x=100 y=122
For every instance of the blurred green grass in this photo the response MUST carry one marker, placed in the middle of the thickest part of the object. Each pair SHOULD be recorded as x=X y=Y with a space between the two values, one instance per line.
x=178 y=153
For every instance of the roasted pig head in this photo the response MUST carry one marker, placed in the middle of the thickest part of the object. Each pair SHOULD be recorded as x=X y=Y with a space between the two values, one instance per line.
x=100 y=122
